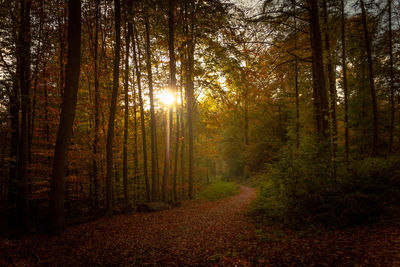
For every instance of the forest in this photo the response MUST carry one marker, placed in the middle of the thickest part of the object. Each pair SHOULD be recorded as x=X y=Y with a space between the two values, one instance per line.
x=200 y=132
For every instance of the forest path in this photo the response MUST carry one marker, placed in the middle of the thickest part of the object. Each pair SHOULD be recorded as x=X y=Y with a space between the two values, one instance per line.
x=206 y=234
x=196 y=233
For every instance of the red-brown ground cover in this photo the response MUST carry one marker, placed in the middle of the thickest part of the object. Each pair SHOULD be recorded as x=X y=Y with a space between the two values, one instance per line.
x=203 y=233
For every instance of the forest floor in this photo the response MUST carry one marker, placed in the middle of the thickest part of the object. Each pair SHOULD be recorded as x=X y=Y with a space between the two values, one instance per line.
x=203 y=233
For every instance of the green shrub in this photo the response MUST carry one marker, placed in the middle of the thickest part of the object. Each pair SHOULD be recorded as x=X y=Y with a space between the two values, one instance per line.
x=302 y=188
x=218 y=190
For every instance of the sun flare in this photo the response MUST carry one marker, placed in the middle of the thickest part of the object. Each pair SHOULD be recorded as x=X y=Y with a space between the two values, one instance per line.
x=166 y=97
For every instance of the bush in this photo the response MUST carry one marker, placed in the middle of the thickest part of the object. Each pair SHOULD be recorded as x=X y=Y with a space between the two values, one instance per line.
x=218 y=190
x=302 y=188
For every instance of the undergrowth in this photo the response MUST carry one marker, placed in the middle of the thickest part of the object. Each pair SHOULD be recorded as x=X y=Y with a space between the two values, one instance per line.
x=217 y=190
x=303 y=188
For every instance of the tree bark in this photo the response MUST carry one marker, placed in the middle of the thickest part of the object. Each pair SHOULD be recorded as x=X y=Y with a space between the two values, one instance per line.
x=113 y=107
x=345 y=88
x=142 y=120
x=190 y=96
x=154 y=158
x=296 y=81
x=96 y=107
x=67 y=116
x=126 y=118
x=319 y=85
x=182 y=136
x=391 y=78
x=371 y=80
x=331 y=81
x=23 y=48
x=172 y=89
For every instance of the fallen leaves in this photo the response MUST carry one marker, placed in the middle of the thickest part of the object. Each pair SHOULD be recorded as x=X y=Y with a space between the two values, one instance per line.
x=206 y=233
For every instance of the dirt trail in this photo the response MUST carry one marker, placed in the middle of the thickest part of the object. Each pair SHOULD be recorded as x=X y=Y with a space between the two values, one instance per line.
x=195 y=234
x=204 y=234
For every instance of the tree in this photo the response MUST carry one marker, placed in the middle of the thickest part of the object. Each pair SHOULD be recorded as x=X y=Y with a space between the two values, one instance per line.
x=96 y=105
x=392 y=109
x=154 y=157
x=113 y=107
x=371 y=79
x=189 y=92
x=23 y=72
x=135 y=43
x=331 y=80
x=126 y=117
x=345 y=88
x=173 y=89
x=319 y=84
x=67 y=116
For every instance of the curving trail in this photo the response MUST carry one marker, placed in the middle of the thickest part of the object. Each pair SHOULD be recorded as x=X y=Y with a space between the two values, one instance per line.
x=204 y=234
x=195 y=233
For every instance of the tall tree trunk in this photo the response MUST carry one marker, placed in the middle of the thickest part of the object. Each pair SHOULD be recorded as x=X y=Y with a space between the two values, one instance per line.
x=182 y=136
x=60 y=22
x=296 y=81
x=331 y=80
x=113 y=107
x=319 y=85
x=24 y=65
x=138 y=68
x=172 y=89
x=135 y=126
x=67 y=116
x=371 y=80
x=175 y=193
x=190 y=96
x=166 y=158
x=135 y=137
x=391 y=78
x=15 y=129
x=154 y=158
x=345 y=88
x=332 y=88
x=96 y=108
x=126 y=118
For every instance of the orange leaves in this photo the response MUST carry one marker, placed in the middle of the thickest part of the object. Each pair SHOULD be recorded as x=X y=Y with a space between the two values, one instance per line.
x=206 y=234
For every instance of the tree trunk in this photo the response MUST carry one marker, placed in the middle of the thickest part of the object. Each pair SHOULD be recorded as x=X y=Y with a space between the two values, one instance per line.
x=142 y=121
x=126 y=118
x=113 y=107
x=296 y=82
x=319 y=85
x=67 y=116
x=172 y=89
x=182 y=152
x=391 y=78
x=96 y=108
x=135 y=126
x=15 y=129
x=371 y=80
x=23 y=48
x=190 y=96
x=154 y=178
x=61 y=50
x=345 y=89
x=331 y=81
x=332 y=88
